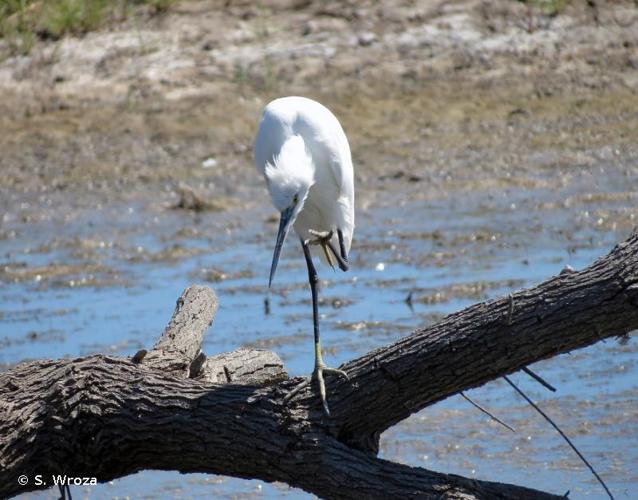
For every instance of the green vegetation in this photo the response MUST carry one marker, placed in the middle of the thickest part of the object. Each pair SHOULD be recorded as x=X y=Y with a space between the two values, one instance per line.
x=23 y=22
x=548 y=7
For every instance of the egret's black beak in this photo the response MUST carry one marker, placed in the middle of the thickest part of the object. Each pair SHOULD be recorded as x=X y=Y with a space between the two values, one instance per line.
x=284 y=226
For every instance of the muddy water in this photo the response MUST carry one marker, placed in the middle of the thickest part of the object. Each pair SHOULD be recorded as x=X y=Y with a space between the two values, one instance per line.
x=79 y=280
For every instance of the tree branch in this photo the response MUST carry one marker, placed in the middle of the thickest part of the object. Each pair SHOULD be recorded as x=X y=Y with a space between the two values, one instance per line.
x=181 y=341
x=112 y=418
x=482 y=343
x=108 y=417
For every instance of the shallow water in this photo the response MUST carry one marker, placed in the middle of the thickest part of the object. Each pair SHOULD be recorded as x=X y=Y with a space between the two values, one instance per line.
x=127 y=264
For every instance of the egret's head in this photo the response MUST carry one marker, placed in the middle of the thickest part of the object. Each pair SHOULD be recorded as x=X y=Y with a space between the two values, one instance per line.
x=289 y=179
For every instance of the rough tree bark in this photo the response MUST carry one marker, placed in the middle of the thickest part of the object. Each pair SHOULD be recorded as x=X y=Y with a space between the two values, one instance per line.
x=237 y=414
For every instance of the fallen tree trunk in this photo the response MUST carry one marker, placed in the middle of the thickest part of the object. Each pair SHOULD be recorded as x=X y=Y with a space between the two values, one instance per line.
x=237 y=414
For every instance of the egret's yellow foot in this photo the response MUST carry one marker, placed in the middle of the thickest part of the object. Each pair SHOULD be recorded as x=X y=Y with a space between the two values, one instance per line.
x=320 y=369
x=324 y=239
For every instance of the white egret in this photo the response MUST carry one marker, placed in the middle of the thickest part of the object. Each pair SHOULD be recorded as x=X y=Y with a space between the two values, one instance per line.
x=304 y=155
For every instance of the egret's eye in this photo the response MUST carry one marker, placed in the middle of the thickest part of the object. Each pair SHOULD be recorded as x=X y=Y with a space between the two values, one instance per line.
x=295 y=199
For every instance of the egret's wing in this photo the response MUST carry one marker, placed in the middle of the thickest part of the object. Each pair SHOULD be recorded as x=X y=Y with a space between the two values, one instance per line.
x=328 y=144
x=331 y=153
x=341 y=164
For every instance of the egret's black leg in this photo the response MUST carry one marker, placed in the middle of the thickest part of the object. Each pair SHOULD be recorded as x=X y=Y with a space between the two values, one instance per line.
x=320 y=368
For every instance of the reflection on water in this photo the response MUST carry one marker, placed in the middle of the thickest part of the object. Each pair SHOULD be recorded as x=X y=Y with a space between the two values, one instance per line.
x=107 y=280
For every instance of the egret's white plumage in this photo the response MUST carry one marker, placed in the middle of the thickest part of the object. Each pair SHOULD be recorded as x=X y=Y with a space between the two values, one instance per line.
x=303 y=153
x=301 y=149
